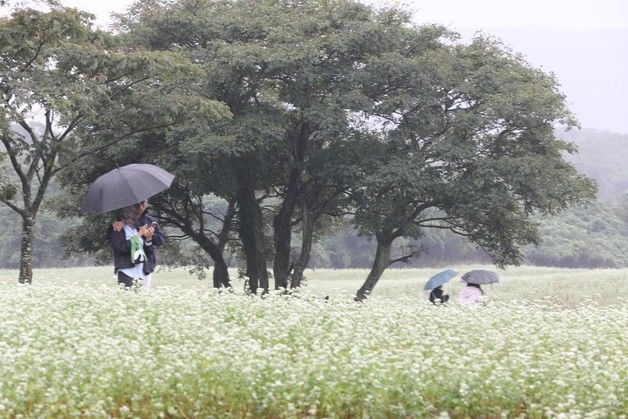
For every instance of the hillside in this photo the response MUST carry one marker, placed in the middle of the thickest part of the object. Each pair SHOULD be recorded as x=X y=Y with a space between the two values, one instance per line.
x=602 y=155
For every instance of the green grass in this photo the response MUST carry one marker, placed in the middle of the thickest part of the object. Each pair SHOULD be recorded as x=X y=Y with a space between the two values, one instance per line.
x=72 y=344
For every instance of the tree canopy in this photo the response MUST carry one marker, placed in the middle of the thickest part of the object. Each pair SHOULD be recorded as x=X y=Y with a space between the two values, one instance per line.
x=64 y=83
x=280 y=118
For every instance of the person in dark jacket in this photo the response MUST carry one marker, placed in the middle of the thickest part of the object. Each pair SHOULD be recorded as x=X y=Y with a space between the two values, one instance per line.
x=437 y=295
x=131 y=245
x=156 y=239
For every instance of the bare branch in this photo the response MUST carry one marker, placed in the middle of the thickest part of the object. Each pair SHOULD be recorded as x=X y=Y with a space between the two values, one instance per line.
x=15 y=163
x=29 y=130
x=406 y=258
x=13 y=207
x=451 y=228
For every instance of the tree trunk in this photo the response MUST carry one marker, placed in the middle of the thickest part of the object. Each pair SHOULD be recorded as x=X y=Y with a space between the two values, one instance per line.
x=381 y=262
x=26 y=250
x=282 y=223
x=251 y=230
x=221 y=273
x=306 y=250
x=282 y=236
x=216 y=253
x=215 y=249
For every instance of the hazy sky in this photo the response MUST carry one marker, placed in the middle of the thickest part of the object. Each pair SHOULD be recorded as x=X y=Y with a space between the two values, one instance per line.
x=584 y=42
x=564 y=14
x=474 y=14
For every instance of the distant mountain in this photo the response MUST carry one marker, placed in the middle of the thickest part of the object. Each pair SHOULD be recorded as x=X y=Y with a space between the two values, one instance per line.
x=602 y=155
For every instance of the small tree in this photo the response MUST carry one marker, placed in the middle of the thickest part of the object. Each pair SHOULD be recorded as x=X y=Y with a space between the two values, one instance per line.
x=470 y=147
x=63 y=83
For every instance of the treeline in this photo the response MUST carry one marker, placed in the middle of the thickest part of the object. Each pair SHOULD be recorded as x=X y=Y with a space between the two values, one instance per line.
x=588 y=237
x=594 y=236
x=284 y=122
x=602 y=155
x=49 y=252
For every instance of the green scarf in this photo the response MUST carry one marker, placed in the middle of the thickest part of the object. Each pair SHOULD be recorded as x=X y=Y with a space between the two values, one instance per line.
x=137 y=246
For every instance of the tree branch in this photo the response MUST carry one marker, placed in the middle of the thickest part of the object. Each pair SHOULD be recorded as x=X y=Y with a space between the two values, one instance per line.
x=13 y=207
x=70 y=127
x=25 y=66
x=406 y=258
x=16 y=165
x=110 y=143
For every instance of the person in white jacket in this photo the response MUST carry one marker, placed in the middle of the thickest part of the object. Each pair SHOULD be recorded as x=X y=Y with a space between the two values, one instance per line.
x=472 y=294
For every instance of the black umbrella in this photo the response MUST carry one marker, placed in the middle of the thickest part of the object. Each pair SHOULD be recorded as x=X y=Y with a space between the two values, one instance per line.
x=125 y=186
x=480 y=277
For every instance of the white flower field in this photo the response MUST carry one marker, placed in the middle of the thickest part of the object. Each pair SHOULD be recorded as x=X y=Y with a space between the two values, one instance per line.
x=549 y=343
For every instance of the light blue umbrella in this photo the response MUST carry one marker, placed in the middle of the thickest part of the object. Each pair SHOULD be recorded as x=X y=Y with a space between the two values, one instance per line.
x=439 y=279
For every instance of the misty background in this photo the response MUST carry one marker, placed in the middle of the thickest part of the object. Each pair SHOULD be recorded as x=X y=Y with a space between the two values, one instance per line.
x=583 y=43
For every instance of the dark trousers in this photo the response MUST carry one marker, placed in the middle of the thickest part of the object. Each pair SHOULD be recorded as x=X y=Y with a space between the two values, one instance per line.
x=125 y=279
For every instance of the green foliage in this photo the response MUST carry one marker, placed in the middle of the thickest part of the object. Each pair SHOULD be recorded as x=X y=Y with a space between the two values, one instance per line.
x=314 y=108
x=70 y=92
x=582 y=237
x=594 y=237
x=472 y=149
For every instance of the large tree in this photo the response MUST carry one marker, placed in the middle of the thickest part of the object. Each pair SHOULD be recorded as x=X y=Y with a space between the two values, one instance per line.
x=292 y=74
x=468 y=146
x=220 y=36
x=333 y=100
x=64 y=83
x=186 y=210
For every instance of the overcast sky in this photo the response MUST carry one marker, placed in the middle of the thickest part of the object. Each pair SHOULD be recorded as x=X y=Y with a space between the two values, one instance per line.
x=474 y=14
x=584 y=42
